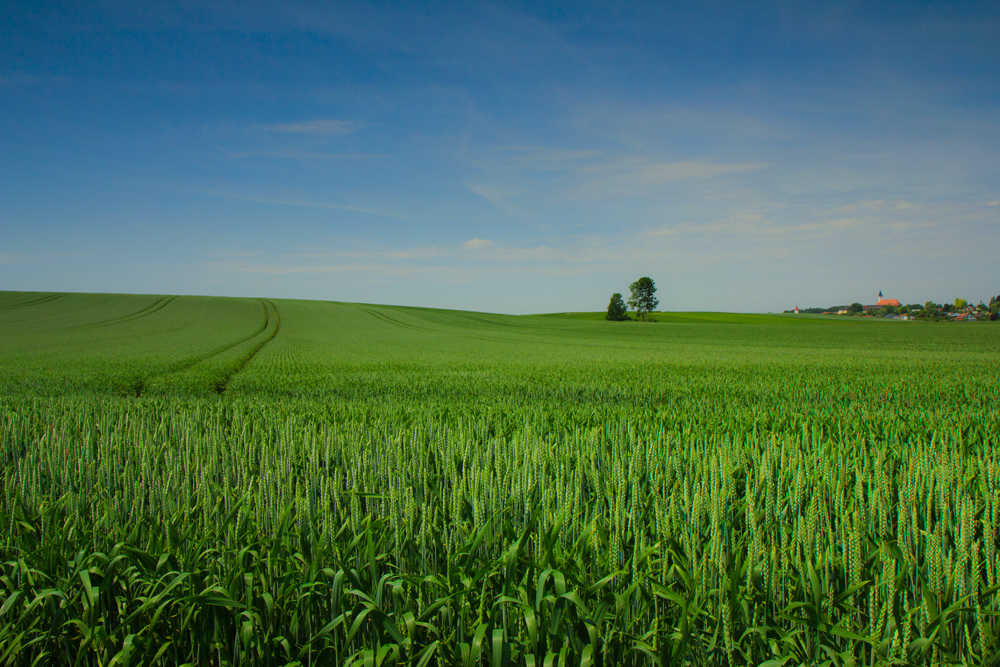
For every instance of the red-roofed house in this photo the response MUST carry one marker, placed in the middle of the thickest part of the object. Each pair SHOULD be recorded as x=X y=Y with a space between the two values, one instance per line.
x=886 y=302
x=882 y=302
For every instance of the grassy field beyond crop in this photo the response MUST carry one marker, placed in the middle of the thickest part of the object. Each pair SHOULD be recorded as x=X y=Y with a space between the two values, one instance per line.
x=196 y=480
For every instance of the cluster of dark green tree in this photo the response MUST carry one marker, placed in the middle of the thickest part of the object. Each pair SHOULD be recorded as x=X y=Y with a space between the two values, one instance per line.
x=948 y=311
x=643 y=300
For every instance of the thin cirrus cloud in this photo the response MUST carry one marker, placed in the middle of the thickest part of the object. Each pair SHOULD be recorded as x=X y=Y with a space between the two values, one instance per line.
x=232 y=254
x=758 y=225
x=293 y=154
x=321 y=261
x=544 y=158
x=487 y=254
x=292 y=269
x=633 y=175
x=390 y=272
x=572 y=175
x=325 y=127
x=428 y=252
x=476 y=244
x=306 y=203
x=499 y=197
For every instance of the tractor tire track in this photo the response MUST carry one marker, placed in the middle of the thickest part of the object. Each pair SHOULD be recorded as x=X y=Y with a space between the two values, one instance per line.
x=391 y=320
x=35 y=302
x=485 y=320
x=223 y=383
x=155 y=307
x=191 y=362
x=216 y=352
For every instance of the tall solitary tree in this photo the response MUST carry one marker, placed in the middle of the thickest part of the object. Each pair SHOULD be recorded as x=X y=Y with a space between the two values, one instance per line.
x=643 y=299
x=616 y=309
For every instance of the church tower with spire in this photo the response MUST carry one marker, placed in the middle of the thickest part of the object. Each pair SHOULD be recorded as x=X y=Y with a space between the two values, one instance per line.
x=882 y=301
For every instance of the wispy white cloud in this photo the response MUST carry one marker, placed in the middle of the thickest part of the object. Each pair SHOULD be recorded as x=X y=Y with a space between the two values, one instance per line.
x=429 y=252
x=564 y=251
x=637 y=175
x=539 y=253
x=498 y=197
x=390 y=273
x=544 y=158
x=860 y=229
x=488 y=255
x=995 y=202
x=711 y=122
x=232 y=253
x=304 y=203
x=585 y=174
x=296 y=269
x=294 y=154
x=320 y=127
x=874 y=205
x=643 y=126
x=750 y=228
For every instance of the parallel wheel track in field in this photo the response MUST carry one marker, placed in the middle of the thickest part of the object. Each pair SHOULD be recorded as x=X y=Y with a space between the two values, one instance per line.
x=191 y=362
x=478 y=335
x=390 y=320
x=34 y=302
x=156 y=306
x=223 y=383
x=484 y=320
x=525 y=338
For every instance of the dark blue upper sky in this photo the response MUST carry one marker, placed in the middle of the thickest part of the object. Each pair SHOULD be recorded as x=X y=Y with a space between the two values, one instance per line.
x=509 y=157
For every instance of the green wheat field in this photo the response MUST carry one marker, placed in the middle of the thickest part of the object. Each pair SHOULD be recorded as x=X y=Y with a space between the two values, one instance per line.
x=221 y=481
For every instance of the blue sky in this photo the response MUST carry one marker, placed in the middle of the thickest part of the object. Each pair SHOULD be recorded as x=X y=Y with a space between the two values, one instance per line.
x=514 y=157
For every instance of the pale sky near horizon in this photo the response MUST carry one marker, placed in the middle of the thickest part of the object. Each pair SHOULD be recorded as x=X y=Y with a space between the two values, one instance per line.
x=504 y=157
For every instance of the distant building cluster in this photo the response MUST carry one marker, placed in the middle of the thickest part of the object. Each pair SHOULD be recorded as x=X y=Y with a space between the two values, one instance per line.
x=893 y=309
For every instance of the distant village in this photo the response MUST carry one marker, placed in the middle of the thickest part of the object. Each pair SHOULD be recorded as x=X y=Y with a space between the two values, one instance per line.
x=891 y=309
